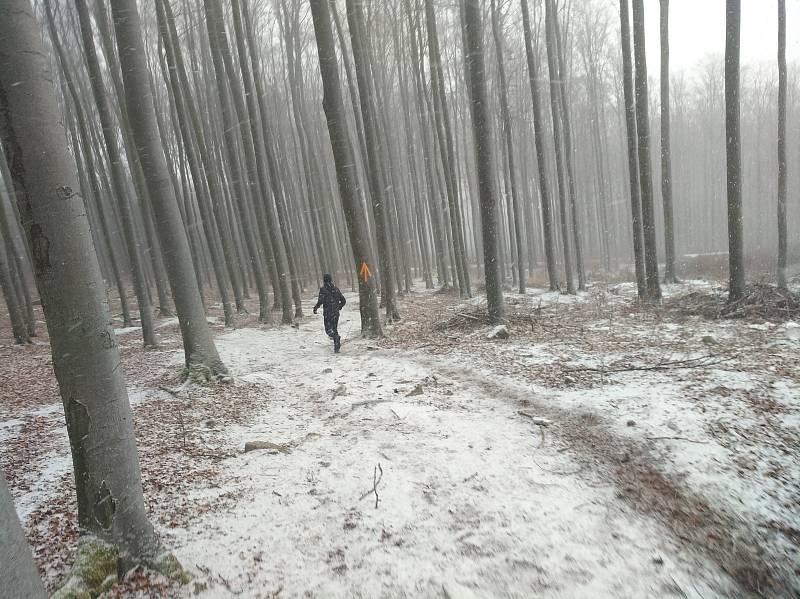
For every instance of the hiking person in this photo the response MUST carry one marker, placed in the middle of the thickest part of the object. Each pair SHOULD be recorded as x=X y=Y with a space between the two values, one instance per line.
x=332 y=301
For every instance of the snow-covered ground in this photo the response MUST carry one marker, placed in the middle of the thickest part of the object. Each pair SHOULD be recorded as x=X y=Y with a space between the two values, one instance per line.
x=418 y=466
x=469 y=500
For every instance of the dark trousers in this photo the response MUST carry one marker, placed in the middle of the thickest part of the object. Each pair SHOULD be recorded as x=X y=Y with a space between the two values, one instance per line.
x=332 y=326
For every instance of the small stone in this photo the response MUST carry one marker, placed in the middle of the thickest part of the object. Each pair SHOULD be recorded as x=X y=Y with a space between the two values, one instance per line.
x=327 y=371
x=415 y=391
x=499 y=332
x=257 y=445
x=568 y=380
x=631 y=423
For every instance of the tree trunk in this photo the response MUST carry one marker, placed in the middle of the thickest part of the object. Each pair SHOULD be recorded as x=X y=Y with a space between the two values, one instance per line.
x=733 y=150
x=345 y=168
x=484 y=155
x=375 y=173
x=252 y=140
x=117 y=175
x=541 y=155
x=666 y=160
x=509 y=141
x=645 y=173
x=21 y=579
x=240 y=192
x=277 y=189
x=568 y=152
x=85 y=354
x=215 y=189
x=198 y=344
x=633 y=152
x=444 y=133
x=555 y=108
x=16 y=309
x=782 y=170
x=192 y=147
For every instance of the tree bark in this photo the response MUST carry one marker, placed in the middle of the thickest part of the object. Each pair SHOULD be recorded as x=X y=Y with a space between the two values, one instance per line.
x=198 y=344
x=252 y=139
x=85 y=354
x=666 y=160
x=117 y=176
x=345 y=168
x=555 y=108
x=21 y=578
x=509 y=141
x=541 y=151
x=375 y=172
x=278 y=190
x=782 y=167
x=568 y=151
x=240 y=192
x=633 y=151
x=484 y=155
x=733 y=150
x=444 y=133
x=192 y=147
x=645 y=172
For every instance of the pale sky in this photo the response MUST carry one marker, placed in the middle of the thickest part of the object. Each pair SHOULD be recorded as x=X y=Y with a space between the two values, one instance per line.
x=697 y=28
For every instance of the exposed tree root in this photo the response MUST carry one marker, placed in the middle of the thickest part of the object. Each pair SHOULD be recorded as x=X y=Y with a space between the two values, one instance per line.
x=98 y=567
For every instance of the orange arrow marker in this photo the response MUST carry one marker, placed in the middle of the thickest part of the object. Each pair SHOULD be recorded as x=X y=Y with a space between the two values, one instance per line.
x=365 y=273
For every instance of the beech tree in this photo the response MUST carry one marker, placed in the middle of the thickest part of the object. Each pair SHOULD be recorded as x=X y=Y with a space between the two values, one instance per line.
x=558 y=141
x=484 y=157
x=733 y=150
x=85 y=355
x=633 y=149
x=541 y=151
x=21 y=579
x=645 y=171
x=375 y=173
x=198 y=345
x=118 y=177
x=508 y=135
x=782 y=166
x=666 y=159
x=345 y=168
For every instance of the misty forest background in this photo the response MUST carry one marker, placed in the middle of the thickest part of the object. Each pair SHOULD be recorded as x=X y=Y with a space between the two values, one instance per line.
x=173 y=157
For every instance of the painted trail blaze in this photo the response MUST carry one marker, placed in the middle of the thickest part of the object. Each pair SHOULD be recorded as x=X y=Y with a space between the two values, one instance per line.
x=364 y=272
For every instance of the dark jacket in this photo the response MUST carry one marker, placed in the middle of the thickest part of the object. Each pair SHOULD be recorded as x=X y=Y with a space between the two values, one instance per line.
x=331 y=299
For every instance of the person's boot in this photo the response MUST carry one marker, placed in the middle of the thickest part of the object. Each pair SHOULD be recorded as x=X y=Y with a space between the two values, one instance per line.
x=337 y=344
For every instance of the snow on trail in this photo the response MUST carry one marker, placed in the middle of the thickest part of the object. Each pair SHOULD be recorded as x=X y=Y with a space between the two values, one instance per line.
x=469 y=504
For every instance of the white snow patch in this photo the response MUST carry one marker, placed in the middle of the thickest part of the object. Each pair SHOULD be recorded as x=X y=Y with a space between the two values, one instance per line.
x=468 y=499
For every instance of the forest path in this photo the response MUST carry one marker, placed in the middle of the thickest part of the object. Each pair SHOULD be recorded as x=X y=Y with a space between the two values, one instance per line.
x=471 y=503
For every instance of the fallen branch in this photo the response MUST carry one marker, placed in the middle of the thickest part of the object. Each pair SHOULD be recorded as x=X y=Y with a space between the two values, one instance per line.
x=375 y=482
x=701 y=362
x=538 y=421
x=677 y=439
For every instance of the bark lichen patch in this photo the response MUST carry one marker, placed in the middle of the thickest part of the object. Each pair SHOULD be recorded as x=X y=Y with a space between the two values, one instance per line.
x=168 y=565
x=95 y=570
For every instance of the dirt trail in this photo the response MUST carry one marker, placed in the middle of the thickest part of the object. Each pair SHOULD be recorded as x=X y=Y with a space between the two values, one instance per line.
x=474 y=499
x=470 y=503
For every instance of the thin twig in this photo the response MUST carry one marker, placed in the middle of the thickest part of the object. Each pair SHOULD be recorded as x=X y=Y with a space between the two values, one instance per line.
x=677 y=439
x=703 y=361
x=375 y=482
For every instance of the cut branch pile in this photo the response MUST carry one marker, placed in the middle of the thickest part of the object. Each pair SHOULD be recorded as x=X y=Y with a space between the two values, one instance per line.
x=760 y=302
